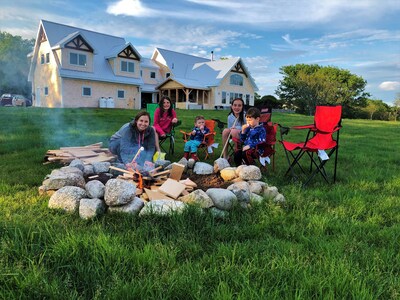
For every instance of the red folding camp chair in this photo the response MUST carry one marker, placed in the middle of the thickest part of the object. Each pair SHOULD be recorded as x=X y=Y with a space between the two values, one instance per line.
x=209 y=140
x=320 y=138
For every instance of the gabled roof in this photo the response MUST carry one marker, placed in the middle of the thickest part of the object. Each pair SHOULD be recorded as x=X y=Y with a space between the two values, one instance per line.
x=200 y=73
x=103 y=44
x=176 y=62
x=118 y=49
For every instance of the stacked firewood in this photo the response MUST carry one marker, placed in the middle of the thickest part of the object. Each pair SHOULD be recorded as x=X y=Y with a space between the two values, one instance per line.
x=88 y=154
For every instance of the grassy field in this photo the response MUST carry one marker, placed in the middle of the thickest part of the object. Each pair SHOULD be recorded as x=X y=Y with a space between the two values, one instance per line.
x=328 y=242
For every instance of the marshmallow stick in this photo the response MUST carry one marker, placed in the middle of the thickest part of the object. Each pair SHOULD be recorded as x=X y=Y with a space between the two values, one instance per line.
x=137 y=154
x=229 y=136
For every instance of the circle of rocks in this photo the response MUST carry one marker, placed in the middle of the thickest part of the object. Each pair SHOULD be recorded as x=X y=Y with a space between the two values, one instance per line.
x=69 y=191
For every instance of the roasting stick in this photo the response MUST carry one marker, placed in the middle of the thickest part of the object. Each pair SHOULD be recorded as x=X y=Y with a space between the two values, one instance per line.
x=227 y=140
x=137 y=154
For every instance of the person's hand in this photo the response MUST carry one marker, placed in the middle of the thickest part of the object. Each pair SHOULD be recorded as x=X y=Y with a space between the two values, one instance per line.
x=244 y=127
x=174 y=120
x=194 y=132
x=247 y=147
x=163 y=135
x=201 y=127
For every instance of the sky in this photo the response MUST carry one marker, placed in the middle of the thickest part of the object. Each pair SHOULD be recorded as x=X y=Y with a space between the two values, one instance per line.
x=362 y=36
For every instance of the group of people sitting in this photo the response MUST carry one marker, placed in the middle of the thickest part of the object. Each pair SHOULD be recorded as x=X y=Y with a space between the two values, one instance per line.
x=137 y=141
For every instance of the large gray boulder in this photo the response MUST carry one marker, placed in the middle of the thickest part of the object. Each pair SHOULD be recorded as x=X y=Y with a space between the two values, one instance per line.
x=132 y=207
x=91 y=208
x=198 y=197
x=220 y=164
x=95 y=189
x=223 y=199
x=162 y=207
x=250 y=173
x=67 y=198
x=242 y=191
x=60 y=179
x=202 y=168
x=119 y=192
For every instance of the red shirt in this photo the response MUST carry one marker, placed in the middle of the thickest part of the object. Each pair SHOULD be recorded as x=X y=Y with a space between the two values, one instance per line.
x=162 y=121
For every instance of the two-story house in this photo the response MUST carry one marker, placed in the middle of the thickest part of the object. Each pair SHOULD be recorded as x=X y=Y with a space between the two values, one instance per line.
x=74 y=67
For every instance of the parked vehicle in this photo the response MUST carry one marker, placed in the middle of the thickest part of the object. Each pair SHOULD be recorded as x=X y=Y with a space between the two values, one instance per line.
x=19 y=100
x=6 y=100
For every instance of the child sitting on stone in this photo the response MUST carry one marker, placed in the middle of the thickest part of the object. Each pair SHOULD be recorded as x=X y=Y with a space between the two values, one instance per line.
x=252 y=134
x=196 y=137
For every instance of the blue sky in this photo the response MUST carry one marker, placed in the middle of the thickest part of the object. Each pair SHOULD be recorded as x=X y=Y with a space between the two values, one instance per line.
x=362 y=36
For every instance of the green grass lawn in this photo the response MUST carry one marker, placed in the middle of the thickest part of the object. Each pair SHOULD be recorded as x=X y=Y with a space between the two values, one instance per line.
x=328 y=242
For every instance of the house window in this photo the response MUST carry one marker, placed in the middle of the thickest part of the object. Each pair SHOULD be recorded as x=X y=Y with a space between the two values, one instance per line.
x=236 y=79
x=234 y=96
x=86 y=91
x=121 y=94
x=152 y=74
x=247 y=99
x=167 y=75
x=42 y=59
x=223 y=100
x=46 y=91
x=127 y=66
x=77 y=59
x=141 y=73
x=47 y=58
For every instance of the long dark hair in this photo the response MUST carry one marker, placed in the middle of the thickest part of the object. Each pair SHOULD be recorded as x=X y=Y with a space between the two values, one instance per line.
x=241 y=114
x=137 y=117
x=161 y=105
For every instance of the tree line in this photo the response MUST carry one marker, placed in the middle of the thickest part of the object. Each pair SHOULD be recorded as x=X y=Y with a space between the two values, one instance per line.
x=302 y=88
x=14 y=64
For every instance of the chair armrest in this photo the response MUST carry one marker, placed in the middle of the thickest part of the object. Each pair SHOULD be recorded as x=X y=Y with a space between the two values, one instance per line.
x=301 y=127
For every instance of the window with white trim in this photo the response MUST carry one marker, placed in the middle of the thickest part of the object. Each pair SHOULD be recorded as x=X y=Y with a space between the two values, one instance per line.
x=247 y=99
x=167 y=75
x=127 y=66
x=236 y=79
x=86 y=91
x=77 y=59
x=46 y=91
x=152 y=74
x=223 y=99
x=121 y=94
x=42 y=59
x=47 y=58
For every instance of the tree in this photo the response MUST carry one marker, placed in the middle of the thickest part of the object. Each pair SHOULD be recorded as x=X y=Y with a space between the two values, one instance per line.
x=396 y=106
x=14 y=64
x=305 y=86
x=269 y=101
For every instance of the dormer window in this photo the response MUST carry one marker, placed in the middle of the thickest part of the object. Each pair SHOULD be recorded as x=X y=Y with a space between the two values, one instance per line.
x=127 y=66
x=167 y=75
x=236 y=79
x=77 y=59
x=152 y=74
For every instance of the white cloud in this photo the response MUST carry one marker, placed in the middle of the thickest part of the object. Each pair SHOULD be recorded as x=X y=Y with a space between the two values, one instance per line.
x=389 y=85
x=130 y=8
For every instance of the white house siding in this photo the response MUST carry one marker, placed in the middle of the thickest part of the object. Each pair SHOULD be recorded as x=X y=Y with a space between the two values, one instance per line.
x=72 y=96
x=46 y=75
x=225 y=86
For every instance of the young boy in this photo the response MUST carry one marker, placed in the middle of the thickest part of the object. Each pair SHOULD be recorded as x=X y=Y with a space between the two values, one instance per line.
x=252 y=134
x=196 y=137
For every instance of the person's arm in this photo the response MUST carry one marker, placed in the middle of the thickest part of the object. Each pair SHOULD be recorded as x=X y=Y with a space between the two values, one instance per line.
x=156 y=140
x=174 y=117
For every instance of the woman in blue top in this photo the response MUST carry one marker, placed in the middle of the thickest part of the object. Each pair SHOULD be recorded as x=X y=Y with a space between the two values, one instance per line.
x=131 y=137
x=236 y=119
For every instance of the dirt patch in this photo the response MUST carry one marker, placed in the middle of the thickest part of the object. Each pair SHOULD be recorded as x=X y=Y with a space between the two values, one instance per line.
x=205 y=182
